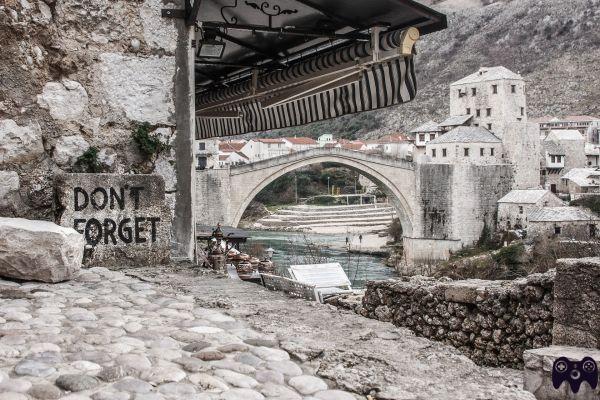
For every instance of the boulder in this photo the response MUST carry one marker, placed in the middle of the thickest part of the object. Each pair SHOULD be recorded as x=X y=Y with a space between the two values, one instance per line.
x=39 y=250
x=64 y=100
x=9 y=185
x=19 y=144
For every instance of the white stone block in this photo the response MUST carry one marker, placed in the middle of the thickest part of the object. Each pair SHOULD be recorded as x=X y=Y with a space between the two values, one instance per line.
x=39 y=250
x=19 y=144
x=66 y=100
x=68 y=149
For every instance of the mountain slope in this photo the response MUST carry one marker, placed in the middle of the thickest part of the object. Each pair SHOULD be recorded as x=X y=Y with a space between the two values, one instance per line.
x=554 y=44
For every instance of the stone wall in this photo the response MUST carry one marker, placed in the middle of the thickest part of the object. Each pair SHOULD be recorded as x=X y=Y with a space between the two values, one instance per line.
x=81 y=74
x=492 y=322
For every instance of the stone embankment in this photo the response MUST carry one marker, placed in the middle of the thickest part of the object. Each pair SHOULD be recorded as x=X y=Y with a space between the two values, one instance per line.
x=492 y=322
x=368 y=217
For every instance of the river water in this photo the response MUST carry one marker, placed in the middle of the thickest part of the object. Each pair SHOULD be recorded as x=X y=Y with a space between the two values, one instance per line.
x=296 y=248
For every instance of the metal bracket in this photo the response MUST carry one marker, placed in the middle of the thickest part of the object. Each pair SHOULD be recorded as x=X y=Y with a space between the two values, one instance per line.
x=173 y=13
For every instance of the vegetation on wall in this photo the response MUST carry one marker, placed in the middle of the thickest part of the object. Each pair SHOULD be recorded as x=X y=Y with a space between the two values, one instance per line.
x=88 y=162
x=148 y=144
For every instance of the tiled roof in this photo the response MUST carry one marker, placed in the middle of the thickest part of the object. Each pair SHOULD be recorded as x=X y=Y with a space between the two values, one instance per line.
x=300 y=140
x=430 y=126
x=580 y=118
x=564 y=134
x=583 y=177
x=467 y=134
x=393 y=139
x=524 y=196
x=231 y=147
x=542 y=120
x=561 y=214
x=457 y=120
x=270 y=141
x=553 y=148
x=488 y=74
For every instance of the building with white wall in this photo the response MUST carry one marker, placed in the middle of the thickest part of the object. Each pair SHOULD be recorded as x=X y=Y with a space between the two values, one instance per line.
x=493 y=96
x=423 y=134
x=206 y=154
x=516 y=205
x=465 y=144
x=262 y=149
x=564 y=150
x=324 y=139
x=300 y=143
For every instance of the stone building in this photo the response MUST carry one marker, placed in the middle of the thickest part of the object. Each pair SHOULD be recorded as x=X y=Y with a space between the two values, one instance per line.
x=566 y=222
x=493 y=96
x=423 y=134
x=466 y=144
x=514 y=208
x=300 y=143
x=581 y=123
x=592 y=153
x=207 y=154
x=581 y=181
x=563 y=150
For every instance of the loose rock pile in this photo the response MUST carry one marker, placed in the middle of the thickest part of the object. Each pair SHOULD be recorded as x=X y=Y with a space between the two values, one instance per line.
x=492 y=322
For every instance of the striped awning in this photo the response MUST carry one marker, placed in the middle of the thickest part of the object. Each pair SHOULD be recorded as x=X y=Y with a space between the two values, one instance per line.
x=329 y=85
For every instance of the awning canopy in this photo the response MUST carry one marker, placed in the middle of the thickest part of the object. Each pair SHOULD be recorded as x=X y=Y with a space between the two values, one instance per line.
x=293 y=62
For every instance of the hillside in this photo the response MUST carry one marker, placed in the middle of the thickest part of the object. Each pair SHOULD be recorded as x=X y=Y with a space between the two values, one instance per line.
x=554 y=44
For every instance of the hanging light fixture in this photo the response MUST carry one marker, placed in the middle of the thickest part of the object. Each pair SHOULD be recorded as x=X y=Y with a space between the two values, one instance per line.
x=210 y=47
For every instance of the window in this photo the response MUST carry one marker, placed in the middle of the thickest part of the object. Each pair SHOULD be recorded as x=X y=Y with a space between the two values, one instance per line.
x=481 y=152
x=475 y=124
x=592 y=230
x=433 y=153
x=495 y=89
x=513 y=88
x=488 y=112
x=431 y=136
x=557 y=230
x=443 y=152
x=520 y=209
x=489 y=127
x=201 y=163
x=478 y=111
x=491 y=151
x=468 y=111
x=552 y=159
x=201 y=146
x=421 y=137
x=474 y=91
x=466 y=149
x=522 y=111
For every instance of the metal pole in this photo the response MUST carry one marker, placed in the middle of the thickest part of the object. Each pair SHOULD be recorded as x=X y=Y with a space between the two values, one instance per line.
x=328 y=192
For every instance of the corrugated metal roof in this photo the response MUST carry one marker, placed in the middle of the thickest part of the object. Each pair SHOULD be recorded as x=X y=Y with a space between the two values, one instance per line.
x=429 y=126
x=561 y=214
x=467 y=134
x=456 y=120
x=488 y=74
x=524 y=196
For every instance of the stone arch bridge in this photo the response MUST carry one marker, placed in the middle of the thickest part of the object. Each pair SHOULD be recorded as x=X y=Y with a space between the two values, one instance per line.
x=434 y=202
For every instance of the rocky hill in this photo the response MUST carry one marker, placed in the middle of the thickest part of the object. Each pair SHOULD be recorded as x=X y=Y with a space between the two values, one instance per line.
x=554 y=44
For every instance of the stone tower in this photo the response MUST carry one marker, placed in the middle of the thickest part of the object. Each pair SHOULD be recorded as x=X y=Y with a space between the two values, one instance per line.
x=495 y=97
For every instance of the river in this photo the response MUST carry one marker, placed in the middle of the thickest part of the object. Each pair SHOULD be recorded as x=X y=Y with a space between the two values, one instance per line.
x=294 y=248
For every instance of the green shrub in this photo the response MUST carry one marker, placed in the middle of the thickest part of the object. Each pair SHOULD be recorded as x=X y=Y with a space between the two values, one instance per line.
x=88 y=162
x=590 y=202
x=148 y=144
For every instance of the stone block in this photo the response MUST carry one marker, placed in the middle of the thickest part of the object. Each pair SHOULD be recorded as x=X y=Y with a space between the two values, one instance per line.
x=577 y=301
x=39 y=250
x=124 y=218
x=537 y=375
x=19 y=144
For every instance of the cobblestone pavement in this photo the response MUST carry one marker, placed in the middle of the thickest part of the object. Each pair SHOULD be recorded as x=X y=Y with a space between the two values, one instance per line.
x=110 y=336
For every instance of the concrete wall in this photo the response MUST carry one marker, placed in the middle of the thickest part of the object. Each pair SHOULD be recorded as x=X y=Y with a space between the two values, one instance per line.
x=492 y=322
x=84 y=74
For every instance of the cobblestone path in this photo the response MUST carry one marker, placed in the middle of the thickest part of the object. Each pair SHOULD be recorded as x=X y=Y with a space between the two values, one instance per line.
x=170 y=333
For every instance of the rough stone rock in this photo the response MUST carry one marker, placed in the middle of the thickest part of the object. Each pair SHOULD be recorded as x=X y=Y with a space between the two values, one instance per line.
x=133 y=385
x=241 y=394
x=209 y=355
x=236 y=379
x=158 y=32
x=279 y=392
x=9 y=186
x=39 y=250
x=270 y=376
x=68 y=149
x=208 y=382
x=34 y=368
x=44 y=392
x=192 y=364
x=76 y=382
x=15 y=385
x=19 y=144
x=288 y=368
x=13 y=396
x=306 y=384
x=114 y=373
x=139 y=87
x=166 y=168
x=269 y=354
x=66 y=100
x=196 y=346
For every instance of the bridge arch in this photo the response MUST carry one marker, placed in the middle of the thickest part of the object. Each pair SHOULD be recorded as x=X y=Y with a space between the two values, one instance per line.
x=395 y=177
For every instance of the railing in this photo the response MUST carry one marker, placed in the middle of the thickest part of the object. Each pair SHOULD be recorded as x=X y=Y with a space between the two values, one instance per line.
x=289 y=286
